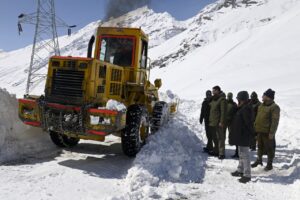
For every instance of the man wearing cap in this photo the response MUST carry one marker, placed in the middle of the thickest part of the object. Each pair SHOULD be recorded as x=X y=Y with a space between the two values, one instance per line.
x=255 y=103
x=266 y=124
x=217 y=117
x=242 y=129
x=204 y=116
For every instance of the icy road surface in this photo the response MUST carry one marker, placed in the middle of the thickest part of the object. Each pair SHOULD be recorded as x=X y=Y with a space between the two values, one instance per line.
x=170 y=166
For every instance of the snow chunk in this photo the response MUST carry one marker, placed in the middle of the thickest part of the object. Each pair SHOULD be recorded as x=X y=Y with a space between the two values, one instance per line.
x=115 y=105
x=138 y=178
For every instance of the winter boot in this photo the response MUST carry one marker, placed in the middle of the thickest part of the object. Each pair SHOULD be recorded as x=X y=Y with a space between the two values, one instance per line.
x=205 y=150
x=244 y=179
x=256 y=163
x=236 y=155
x=237 y=174
x=212 y=153
x=269 y=166
x=253 y=148
x=221 y=157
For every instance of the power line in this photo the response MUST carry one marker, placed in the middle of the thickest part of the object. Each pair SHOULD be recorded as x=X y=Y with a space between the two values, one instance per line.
x=46 y=23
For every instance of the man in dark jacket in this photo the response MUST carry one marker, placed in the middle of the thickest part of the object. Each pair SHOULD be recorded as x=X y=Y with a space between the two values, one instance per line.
x=242 y=129
x=255 y=103
x=204 y=116
x=217 y=117
x=230 y=111
x=266 y=124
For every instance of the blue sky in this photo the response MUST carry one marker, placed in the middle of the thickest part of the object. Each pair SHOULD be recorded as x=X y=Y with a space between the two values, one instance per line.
x=77 y=12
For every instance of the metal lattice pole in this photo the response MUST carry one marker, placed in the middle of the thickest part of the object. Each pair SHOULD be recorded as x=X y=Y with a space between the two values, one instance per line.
x=46 y=24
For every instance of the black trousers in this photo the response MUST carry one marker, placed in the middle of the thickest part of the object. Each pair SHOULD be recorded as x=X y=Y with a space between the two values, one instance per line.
x=214 y=137
x=209 y=137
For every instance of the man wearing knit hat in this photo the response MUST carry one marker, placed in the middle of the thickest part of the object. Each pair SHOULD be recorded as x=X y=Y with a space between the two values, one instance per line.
x=204 y=116
x=242 y=129
x=266 y=124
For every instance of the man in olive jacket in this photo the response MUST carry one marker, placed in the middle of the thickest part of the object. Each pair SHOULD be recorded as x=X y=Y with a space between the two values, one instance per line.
x=266 y=124
x=242 y=130
x=255 y=103
x=217 y=117
x=204 y=116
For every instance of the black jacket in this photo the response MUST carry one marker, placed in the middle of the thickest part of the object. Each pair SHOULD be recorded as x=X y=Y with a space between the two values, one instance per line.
x=205 y=111
x=242 y=126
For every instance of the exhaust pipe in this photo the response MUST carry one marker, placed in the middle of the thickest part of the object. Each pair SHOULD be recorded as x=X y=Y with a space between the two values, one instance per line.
x=90 y=47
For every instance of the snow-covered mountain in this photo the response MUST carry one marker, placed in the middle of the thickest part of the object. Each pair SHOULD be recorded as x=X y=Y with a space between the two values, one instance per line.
x=252 y=45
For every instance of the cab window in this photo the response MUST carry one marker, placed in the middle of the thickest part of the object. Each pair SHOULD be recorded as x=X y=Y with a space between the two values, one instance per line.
x=117 y=50
x=144 y=55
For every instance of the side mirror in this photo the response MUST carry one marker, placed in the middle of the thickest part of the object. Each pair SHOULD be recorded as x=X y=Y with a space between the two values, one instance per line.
x=158 y=83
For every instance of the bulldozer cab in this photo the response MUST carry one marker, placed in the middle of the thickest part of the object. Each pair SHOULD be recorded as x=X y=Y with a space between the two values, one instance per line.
x=124 y=47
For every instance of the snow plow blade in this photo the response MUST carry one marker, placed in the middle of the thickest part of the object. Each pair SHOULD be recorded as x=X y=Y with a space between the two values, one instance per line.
x=71 y=120
x=29 y=112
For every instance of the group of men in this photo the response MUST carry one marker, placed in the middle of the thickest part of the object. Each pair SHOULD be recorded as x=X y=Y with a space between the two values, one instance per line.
x=249 y=122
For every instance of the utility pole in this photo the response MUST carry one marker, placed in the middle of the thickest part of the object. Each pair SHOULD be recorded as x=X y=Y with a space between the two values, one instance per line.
x=45 y=42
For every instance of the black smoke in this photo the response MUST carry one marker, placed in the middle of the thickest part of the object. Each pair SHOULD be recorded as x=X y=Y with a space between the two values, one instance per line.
x=117 y=8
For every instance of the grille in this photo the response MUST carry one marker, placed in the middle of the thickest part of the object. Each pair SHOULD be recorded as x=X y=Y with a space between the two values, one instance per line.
x=116 y=75
x=115 y=89
x=67 y=83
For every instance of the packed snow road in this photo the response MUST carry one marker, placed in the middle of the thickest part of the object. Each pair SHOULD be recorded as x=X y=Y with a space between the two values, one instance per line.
x=88 y=172
x=170 y=166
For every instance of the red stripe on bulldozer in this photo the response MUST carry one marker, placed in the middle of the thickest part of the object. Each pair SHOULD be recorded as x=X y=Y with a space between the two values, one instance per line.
x=97 y=132
x=27 y=101
x=102 y=111
x=37 y=124
x=71 y=58
x=63 y=107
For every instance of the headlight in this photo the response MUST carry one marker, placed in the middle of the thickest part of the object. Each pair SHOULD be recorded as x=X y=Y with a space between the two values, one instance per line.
x=94 y=120
x=83 y=65
x=28 y=111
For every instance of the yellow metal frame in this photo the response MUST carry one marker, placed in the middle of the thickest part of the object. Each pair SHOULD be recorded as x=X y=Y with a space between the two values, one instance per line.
x=131 y=84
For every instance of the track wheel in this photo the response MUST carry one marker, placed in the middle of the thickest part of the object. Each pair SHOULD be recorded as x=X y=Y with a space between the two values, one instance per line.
x=160 y=116
x=136 y=131
x=61 y=140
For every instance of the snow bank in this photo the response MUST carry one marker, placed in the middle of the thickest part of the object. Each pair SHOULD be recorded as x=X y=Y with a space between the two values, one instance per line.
x=18 y=141
x=172 y=155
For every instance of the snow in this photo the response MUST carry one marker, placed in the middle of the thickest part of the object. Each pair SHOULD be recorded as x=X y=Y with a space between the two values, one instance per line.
x=17 y=141
x=241 y=55
x=248 y=48
x=115 y=105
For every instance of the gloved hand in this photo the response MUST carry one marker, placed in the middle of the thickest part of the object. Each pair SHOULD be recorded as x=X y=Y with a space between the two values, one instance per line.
x=201 y=121
x=221 y=125
x=271 y=136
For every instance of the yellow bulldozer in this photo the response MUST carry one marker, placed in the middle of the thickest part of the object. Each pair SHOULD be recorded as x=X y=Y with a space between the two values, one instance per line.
x=78 y=90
